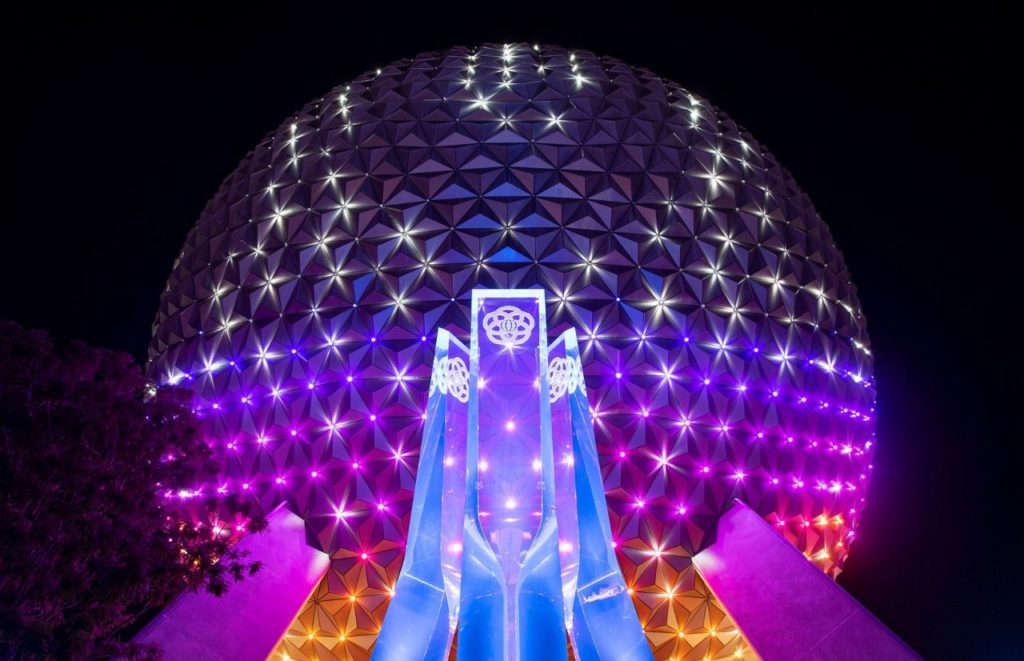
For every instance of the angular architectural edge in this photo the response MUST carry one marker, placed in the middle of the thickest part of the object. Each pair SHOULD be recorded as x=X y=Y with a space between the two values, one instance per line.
x=247 y=621
x=784 y=605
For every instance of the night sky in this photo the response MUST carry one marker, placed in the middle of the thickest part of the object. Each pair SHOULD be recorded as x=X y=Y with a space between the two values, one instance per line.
x=118 y=128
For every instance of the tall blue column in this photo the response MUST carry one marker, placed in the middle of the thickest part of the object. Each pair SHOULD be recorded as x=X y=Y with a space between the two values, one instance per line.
x=511 y=583
x=509 y=542
x=603 y=622
x=424 y=611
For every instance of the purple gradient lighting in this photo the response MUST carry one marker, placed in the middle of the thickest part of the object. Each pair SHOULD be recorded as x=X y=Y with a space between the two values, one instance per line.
x=664 y=233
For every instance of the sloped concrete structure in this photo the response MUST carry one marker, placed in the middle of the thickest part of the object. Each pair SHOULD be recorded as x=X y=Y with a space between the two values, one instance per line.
x=783 y=604
x=247 y=621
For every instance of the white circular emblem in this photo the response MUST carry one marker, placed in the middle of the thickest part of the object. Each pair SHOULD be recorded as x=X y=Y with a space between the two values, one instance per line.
x=565 y=375
x=457 y=378
x=508 y=325
x=451 y=377
x=558 y=377
x=437 y=377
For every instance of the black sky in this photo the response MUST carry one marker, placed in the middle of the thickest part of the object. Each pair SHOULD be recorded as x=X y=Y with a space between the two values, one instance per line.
x=118 y=127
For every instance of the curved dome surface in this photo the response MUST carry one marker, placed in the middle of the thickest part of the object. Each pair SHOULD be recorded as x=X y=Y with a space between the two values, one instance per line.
x=725 y=352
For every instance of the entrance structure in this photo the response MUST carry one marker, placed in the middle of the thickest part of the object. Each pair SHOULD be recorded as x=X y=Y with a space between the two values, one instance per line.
x=509 y=543
x=721 y=340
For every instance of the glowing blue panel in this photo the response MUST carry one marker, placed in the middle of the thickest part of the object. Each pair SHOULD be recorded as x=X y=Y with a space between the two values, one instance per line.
x=424 y=611
x=509 y=542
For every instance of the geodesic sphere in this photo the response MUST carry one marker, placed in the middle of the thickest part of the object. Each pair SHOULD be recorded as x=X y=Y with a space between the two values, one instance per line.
x=724 y=349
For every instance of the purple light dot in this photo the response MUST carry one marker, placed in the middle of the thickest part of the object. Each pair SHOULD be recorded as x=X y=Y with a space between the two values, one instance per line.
x=373 y=417
x=349 y=378
x=622 y=454
x=294 y=432
x=315 y=474
x=707 y=382
x=618 y=375
x=373 y=339
x=423 y=338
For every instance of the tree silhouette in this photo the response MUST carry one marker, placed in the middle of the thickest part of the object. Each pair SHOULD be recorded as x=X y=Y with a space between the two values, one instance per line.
x=102 y=516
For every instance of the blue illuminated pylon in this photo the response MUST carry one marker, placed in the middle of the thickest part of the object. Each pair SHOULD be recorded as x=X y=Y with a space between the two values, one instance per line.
x=509 y=542
x=423 y=613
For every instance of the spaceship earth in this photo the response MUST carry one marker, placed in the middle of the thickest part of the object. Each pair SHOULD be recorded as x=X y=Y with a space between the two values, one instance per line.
x=724 y=348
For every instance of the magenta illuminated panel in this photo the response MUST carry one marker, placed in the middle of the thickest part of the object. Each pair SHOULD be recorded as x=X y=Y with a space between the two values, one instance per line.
x=783 y=604
x=247 y=621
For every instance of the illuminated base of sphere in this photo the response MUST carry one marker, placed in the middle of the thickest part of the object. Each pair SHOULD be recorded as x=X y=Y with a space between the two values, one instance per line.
x=768 y=586
x=510 y=547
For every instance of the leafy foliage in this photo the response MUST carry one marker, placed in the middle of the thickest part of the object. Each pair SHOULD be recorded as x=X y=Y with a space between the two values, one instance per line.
x=98 y=521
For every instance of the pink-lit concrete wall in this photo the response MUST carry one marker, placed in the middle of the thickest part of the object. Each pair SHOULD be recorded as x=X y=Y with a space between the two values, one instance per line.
x=248 y=621
x=786 y=606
